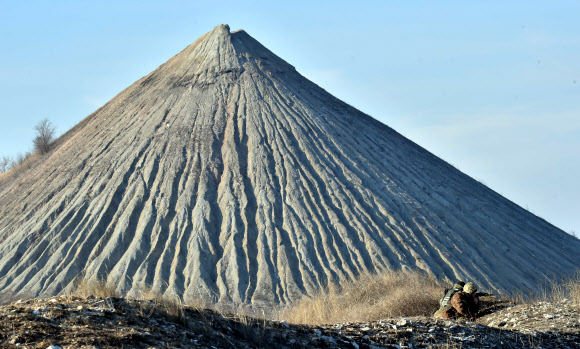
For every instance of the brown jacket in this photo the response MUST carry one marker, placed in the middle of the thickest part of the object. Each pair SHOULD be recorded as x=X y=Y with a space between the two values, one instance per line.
x=465 y=304
x=461 y=305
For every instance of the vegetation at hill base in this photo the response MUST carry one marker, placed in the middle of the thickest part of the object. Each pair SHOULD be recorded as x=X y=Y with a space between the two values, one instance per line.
x=370 y=297
x=95 y=316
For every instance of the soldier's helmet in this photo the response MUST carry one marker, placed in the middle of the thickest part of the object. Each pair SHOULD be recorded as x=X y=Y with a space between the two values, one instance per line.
x=469 y=288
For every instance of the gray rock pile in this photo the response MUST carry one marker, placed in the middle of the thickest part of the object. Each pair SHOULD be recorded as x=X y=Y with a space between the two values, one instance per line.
x=431 y=333
x=556 y=318
x=226 y=175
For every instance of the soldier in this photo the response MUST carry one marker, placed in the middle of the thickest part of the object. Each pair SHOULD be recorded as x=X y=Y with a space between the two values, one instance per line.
x=463 y=303
x=458 y=287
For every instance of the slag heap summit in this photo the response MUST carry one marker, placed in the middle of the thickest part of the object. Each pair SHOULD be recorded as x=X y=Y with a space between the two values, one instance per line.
x=226 y=174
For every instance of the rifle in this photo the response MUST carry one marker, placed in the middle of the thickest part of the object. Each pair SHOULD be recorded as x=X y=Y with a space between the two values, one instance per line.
x=484 y=294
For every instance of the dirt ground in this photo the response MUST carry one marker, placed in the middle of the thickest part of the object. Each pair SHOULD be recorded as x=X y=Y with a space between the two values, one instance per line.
x=73 y=322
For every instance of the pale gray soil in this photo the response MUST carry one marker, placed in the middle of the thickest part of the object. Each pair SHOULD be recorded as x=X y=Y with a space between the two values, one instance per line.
x=226 y=174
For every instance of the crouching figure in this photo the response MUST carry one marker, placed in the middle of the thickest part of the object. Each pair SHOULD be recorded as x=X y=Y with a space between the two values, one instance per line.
x=459 y=303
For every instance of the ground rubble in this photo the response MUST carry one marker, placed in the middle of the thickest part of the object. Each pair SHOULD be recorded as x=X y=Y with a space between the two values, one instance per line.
x=73 y=322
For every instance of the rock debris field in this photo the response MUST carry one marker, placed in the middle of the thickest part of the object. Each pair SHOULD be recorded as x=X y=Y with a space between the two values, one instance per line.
x=72 y=322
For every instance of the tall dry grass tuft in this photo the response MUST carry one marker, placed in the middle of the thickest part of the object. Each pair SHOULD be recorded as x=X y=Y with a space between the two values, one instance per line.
x=553 y=290
x=98 y=288
x=568 y=288
x=169 y=307
x=370 y=297
x=153 y=302
x=574 y=289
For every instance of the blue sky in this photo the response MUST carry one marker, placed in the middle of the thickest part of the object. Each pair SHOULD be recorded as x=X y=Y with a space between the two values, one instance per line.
x=493 y=87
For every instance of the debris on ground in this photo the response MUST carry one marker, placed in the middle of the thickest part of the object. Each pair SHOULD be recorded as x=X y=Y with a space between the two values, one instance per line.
x=73 y=322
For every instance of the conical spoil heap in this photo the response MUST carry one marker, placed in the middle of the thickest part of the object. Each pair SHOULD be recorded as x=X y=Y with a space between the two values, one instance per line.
x=226 y=174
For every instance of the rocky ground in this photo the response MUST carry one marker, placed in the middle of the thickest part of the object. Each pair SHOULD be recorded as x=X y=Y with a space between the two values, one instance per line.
x=73 y=322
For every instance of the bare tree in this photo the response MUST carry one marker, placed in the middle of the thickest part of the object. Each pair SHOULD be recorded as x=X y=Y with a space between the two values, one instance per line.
x=44 y=136
x=5 y=163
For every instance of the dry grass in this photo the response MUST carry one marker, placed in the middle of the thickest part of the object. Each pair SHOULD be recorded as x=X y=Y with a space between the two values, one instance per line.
x=575 y=291
x=553 y=290
x=95 y=287
x=568 y=288
x=370 y=297
x=169 y=307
